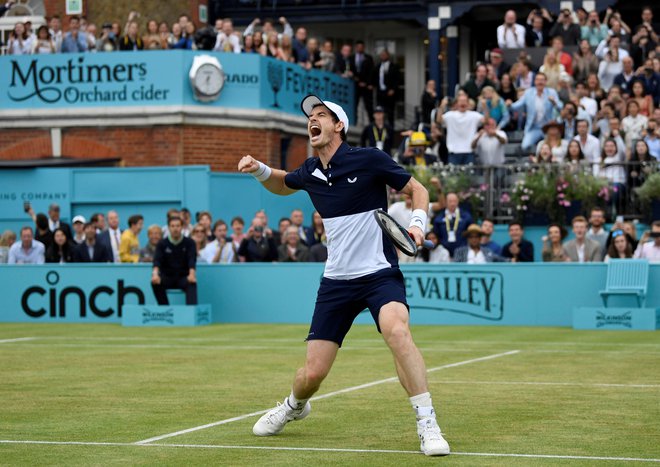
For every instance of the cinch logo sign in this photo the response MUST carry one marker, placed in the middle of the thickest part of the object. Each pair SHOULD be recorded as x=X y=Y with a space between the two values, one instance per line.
x=474 y=293
x=102 y=301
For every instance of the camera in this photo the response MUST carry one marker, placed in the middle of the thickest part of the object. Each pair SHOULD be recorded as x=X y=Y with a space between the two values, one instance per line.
x=26 y=206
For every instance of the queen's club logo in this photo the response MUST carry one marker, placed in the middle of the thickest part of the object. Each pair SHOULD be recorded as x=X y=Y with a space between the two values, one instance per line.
x=275 y=78
x=624 y=319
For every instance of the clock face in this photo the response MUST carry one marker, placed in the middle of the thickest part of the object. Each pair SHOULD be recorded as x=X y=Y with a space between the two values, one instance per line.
x=209 y=80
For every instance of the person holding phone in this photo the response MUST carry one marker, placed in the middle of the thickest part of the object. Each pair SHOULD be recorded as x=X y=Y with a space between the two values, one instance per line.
x=650 y=249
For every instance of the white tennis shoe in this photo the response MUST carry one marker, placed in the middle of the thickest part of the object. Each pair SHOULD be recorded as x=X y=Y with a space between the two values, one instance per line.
x=430 y=436
x=273 y=421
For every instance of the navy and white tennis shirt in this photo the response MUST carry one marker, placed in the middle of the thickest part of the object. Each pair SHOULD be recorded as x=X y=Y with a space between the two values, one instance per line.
x=346 y=194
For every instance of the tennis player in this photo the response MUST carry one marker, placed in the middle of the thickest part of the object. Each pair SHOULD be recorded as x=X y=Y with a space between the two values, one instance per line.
x=346 y=186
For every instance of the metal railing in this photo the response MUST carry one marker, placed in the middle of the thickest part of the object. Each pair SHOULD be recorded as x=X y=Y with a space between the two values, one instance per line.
x=542 y=193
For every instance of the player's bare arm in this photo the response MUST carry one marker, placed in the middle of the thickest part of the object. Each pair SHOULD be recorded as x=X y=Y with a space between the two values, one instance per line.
x=273 y=183
x=420 y=203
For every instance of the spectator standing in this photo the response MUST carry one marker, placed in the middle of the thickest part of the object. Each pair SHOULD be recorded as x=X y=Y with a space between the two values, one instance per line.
x=132 y=39
x=566 y=29
x=500 y=67
x=584 y=62
x=462 y=125
x=594 y=31
x=28 y=250
x=154 y=235
x=489 y=144
x=582 y=249
x=112 y=236
x=129 y=245
x=620 y=247
x=61 y=250
x=363 y=65
x=588 y=142
x=292 y=249
x=478 y=82
x=42 y=233
x=518 y=250
x=428 y=102
x=44 y=44
x=175 y=265
x=54 y=220
x=652 y=138
x=557 y=44
x=343 y=65
x=487 y=228
x=650 y=249
x=554 y=139
x=642 y=164
x=552 y=69
x=536 y=34
x=510 y=35
x=92 y=250
x=597 y=232
x=55 y=30
x=227 y=40
x=74 y=40
x=475 y=252
x=644 y=101
x=237 y=235
x=327 y=57
x=450 y=224
x=7 y=239
x=507 y=90
x=299 y=43
x=634 y=124
x=387 y=84
x=625 y=79
x=98 y=220
x=539 y=104
x=610 y=67
x=257 y=248
x=553 y=251
x=19 y=42
x=378 y=134
x=221 y=249
x=152 y=40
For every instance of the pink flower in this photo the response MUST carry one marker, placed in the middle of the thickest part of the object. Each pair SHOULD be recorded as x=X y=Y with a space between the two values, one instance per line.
x=524 y=208
x=561 y=196
x=615 y=189
x=505 y=198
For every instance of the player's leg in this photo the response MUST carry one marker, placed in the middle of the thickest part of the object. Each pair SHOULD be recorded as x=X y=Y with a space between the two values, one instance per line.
x=394 y=324
x=321 y=355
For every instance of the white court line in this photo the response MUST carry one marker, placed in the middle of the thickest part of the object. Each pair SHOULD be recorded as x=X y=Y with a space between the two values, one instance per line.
x=346 y=450
x=18 y=339
x=544 y=383
x=323 y=396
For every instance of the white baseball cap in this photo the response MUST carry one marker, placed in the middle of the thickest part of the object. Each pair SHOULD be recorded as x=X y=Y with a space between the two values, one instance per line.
x=78 y=219
x=311 y=101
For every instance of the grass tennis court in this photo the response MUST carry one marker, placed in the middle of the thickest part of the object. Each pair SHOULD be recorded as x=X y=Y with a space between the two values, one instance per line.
x=96 y=390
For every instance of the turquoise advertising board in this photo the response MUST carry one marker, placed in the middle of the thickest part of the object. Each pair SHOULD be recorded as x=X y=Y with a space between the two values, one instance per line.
x=160 y=78
x=454 y=294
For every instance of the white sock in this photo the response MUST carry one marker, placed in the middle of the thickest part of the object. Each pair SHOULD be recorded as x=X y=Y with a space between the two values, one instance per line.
x=295 y=404
x=423 y=405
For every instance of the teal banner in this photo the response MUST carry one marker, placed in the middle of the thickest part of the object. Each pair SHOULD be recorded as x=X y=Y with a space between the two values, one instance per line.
x=160 y=78
x=495 y=294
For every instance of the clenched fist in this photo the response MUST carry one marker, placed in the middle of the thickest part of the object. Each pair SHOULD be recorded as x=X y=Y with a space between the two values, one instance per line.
x=248 y=164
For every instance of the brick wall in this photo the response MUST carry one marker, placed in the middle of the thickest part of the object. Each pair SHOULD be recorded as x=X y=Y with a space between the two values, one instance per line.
x=219 y=147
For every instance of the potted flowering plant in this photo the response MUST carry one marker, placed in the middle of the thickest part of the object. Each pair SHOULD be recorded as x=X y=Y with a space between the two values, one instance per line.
x=579 y=191
x=534 y=197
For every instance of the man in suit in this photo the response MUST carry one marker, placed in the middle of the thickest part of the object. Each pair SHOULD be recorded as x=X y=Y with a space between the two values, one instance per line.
x=111 y=237
x=475 y=252
x=537 y=115
x=518 y=250
x=378 y=134
x=343 y=65
x=450 y=224
x=91 y=250
x=363 y=64
x=582 y=249
x=386 y=79
x=54 y=221
x=536 y=34
x=566 y=29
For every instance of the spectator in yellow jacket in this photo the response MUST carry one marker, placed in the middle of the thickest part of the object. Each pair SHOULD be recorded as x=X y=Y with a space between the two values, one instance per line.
x=129 y=247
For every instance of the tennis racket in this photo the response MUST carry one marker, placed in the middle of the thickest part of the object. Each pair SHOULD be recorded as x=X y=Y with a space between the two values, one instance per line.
x=399 y=236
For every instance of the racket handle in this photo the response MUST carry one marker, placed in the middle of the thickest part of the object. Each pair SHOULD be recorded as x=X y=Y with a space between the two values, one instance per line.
x=428 y=244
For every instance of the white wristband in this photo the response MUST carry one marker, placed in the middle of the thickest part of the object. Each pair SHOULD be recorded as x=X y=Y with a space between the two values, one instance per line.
x=262 y=173
x=418 y=219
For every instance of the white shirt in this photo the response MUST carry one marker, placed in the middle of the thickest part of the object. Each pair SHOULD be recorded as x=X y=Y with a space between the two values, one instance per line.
x=210 y=250
x=226 y=43
x=591 y=149
x=580 y=252
x=612 y=170
x=115 y=240
x=461 y=129
x=511 y=39
x=437 y=255
x=489 y=149
x=402 y=213
x=475 y=258
x=648 y=250
x=633 y=127
x=590 y=105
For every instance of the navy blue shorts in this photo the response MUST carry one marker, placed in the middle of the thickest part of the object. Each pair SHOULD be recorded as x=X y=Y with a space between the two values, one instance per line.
x=340 y=301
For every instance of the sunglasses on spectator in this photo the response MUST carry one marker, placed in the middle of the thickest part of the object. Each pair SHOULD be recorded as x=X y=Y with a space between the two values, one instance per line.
x=617 y=233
